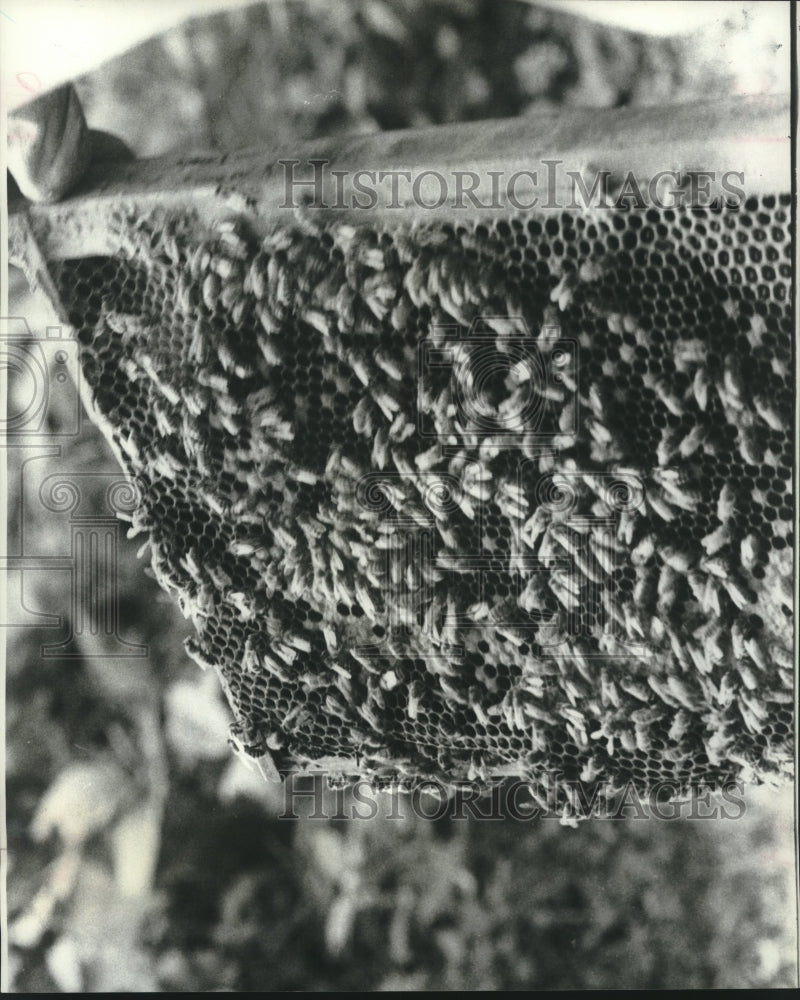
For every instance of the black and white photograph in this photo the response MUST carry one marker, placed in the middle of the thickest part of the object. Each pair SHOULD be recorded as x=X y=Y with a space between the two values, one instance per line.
x=397 y=451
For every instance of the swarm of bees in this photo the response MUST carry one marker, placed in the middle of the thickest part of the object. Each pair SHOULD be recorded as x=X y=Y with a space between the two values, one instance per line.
x=506 y=497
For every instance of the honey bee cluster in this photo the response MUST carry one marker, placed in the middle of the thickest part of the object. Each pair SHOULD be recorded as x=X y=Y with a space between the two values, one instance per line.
x=506 y=497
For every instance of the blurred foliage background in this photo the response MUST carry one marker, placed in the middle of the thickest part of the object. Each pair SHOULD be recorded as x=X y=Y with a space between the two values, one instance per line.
x=142 y=854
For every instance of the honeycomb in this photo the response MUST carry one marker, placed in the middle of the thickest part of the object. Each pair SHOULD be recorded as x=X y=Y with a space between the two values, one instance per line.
x=461 y=501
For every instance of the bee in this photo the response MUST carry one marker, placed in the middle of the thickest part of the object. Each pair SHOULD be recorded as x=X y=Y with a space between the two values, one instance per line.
x=693 y=440
x=167 y=465
x=231 y=295
x=401 y=313
x=365 y=602
x=600 y=433
x=451 y=301
x=244 y=547
x=230 y=237
x=560 y=533
x=167 y=391
x=727 y=690
x=388 y=403
x=709 y=636
x=740 y=593
x=668 y=445
x=678 y=492
x=415 y=284
x=274 y=667
x=195 y=651
x=756 y=652
x=560 y=586
x=766 y=410
x=165 y=422
x=126 y=325
x=211 y=288
x=170 y=246
x=680 y=561
x=379 y=294
x=186 y=297
x=711 y=602
x=640 y=716
x=700 y=385
x=683 y=693
x=614 y=322
x=344 y=306
x=716 y=540
x=369 y=716
x=271 y=325
x=633 y=624
x=228 y=422
x=733 y=384
x=642 y=552
x=727 y=503
x=230 y=271
x=475 y=697
x=251 y=661
x=286 y=652
x=192 y=566
x=747 y=675
x=781 y=656
x=521 y=711
x=318 y=320
x=565 y=289
x=306 y=476
x=672 y=402
x=699 y=658
x=361 y=370
x=243 y=604
x=199 y=261
x=452 y=695
x=662 y=691
x=371 y=257
x=388 y=365
x=656 y=500
x=406 y=247
x=513 y=510
x=749 y=446
x=681 y=724
x=336 y=707
x=627 y=739
x=590 y=770
x=755 y=710
x=226 y=356
x=219 y=578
